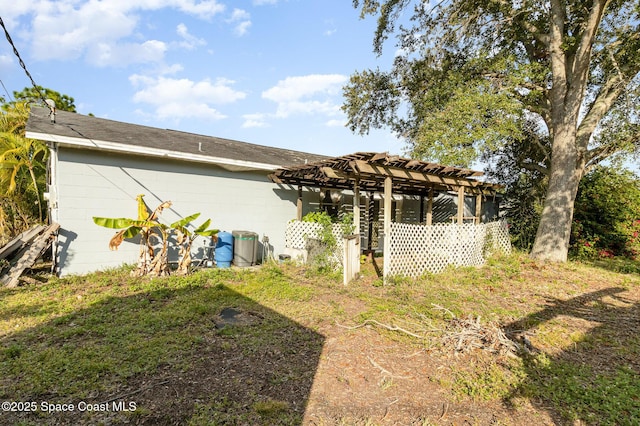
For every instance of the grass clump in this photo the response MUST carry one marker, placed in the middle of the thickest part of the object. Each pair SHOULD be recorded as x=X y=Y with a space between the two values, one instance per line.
x=487 y=380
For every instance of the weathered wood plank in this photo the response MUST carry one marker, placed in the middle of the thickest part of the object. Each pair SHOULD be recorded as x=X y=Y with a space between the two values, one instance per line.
x=18 y=241
x=35 y=249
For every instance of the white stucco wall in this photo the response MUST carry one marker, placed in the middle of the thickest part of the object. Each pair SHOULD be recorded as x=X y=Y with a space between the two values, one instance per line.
x=94 y=183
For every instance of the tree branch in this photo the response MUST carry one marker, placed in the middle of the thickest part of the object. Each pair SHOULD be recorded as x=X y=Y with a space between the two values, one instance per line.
x=579 y=63
x=609 y=92
x=535 y=167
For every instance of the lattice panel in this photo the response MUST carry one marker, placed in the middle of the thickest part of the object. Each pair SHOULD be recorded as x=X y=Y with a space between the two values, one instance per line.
x=297 y=234
x=415 y=249
x=498 y=239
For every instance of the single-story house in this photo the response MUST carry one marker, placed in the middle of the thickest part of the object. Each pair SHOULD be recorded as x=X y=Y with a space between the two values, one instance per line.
x=97 y=167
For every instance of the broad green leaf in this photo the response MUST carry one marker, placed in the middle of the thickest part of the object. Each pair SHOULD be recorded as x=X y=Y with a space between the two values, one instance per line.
x=122 y=222
x=113 y=223
x=132 y=231
x=208 y=232
x=185 y=221
x=202 y=227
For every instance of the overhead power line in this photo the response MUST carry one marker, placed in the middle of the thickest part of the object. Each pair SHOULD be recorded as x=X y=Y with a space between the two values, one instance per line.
x=24 y=67
x=5 y=90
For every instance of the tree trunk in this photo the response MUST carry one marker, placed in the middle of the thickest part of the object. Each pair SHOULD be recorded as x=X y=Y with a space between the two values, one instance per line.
x=554 y=231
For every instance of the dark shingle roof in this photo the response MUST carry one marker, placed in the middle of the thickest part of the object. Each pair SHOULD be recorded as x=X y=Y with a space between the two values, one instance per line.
x=77 y=126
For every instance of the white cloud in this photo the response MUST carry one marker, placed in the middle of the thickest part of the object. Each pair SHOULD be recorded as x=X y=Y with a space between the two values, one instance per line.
x=332 y=28
x=336 y=123
x=287 y=109
x=242 y=21
x=170 y=69
x=72 y=29
x=6 y=61
x=204 y=9
x=189 y=41
x=311 y=94
x=293 y=88
x=242 y=28
x=255 y=120
x=239 y=15
x=182 y=98
x=67 y=33
x=105 y=54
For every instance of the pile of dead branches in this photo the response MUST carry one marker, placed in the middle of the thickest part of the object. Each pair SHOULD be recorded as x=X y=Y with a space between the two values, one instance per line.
x=462 y=335
x=459 y=335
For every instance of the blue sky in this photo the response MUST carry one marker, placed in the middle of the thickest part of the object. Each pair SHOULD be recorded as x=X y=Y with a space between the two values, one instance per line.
x=263 y=71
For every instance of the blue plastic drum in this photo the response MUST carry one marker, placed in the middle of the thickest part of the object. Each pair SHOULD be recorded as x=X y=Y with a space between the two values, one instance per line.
x=224 y=250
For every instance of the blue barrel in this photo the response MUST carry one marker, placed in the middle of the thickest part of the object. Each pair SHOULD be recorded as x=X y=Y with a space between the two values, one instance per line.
x=224 y=250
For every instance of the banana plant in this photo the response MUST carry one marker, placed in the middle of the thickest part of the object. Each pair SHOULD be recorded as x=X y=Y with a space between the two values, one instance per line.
x=147 y=225
x=185 y=238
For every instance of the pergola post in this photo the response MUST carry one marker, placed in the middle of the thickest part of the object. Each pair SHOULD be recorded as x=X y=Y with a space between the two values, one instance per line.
x=388 y=185
x=299 y=204
x=430 y=207
x=479 y=208
x=356 y=207
x=370 y=204
x=460 y=205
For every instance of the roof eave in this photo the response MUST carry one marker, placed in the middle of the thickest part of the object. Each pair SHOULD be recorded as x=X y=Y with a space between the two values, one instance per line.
x=227 y=163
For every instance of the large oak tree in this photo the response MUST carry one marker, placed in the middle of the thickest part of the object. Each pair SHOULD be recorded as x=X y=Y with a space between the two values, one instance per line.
x=476 y=76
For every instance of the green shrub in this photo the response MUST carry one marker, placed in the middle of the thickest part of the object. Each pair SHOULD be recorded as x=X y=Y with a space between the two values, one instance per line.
x=322 y=251
x=607 y=215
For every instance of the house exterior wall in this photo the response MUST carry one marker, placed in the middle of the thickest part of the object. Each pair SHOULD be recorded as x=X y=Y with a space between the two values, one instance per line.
x=93 y=183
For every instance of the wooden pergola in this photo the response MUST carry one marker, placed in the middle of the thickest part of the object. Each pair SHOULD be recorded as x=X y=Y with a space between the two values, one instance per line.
x=387 y=174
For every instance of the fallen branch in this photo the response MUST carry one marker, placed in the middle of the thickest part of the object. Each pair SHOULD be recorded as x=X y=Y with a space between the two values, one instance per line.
x=442 y=308
x=385 y=371
x=386 y=326
x=445 y=408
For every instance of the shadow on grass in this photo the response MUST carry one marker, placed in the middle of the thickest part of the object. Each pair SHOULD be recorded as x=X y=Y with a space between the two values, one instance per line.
x=162 y=357
x=596 y=379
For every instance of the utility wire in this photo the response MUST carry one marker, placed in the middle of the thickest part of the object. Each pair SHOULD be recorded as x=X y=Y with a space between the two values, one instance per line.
x=24 y=67
x=5 y=89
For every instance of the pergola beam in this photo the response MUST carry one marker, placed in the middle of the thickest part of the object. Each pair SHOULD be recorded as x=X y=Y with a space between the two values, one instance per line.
x=365 y=168
x=409 y=176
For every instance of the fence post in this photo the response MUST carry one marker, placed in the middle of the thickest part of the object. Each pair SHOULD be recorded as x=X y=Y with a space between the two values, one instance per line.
x=351 y=258
x=388 y=186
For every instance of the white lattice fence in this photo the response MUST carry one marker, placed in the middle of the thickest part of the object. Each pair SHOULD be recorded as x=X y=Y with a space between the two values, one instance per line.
x=298 y=234
x=498 y=239
x=415 y=249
